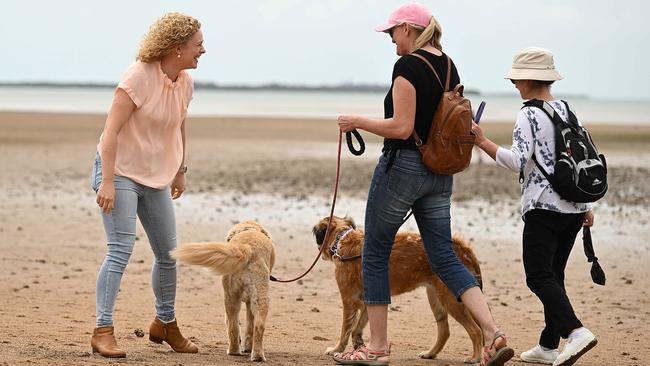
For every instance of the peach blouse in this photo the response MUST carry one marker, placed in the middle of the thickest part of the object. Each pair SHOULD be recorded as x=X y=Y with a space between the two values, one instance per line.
x=150 y=144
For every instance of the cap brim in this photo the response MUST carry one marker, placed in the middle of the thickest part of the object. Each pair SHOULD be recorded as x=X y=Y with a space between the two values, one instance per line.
x=384 y=27
x=532 y=74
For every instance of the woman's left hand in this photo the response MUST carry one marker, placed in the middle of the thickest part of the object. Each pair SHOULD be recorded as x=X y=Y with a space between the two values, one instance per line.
x=178 y=185
x=348 y=123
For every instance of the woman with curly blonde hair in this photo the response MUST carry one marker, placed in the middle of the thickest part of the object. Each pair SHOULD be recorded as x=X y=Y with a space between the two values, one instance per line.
x=140 y=167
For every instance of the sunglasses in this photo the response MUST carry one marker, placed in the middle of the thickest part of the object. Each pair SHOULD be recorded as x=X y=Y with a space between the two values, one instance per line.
x=392 y=30
x=512 y=81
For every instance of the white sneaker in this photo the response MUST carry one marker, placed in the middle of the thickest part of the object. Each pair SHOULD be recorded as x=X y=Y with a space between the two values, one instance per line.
x=538 y=355
x=575 y=347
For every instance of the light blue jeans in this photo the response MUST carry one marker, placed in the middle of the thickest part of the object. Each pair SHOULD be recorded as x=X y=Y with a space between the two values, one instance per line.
x=156 y=212
x=395 y=189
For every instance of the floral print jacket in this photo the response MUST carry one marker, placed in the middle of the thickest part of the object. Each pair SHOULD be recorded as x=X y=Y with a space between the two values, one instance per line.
x=534 y=134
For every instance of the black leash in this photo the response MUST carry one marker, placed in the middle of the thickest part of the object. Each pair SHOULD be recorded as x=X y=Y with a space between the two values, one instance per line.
x=597 y=273
x=357 y=135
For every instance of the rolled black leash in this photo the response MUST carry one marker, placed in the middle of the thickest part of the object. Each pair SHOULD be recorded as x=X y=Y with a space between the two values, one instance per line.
x=357 y=135
x=597 y=273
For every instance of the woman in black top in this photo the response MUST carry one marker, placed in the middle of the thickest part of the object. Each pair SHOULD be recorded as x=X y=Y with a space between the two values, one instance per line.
x=401 y=182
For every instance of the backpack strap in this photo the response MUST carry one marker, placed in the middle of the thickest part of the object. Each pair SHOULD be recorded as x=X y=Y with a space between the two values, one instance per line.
x=448 y=73
x=557 y=121
x=546 y=108
x=573 y=120
x=550 y=112
x=432 y=69
x=418 y=140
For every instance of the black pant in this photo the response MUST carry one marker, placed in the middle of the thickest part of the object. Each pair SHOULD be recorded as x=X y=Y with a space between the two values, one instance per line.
x=548 y=240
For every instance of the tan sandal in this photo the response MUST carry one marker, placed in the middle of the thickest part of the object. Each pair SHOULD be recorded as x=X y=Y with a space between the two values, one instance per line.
x=493 y=356
x=363 y=356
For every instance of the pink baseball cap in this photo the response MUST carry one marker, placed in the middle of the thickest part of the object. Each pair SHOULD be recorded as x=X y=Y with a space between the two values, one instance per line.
x=412 y=13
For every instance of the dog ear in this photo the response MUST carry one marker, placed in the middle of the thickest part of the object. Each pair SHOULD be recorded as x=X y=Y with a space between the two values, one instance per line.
x=230 y=234
x=263 y=230
x=319 y=233
x=350 y=221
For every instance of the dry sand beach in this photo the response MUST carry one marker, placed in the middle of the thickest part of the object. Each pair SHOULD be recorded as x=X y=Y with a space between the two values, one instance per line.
x=280 y=172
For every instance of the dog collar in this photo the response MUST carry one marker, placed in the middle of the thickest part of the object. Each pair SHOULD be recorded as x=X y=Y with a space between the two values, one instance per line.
x=334 y=249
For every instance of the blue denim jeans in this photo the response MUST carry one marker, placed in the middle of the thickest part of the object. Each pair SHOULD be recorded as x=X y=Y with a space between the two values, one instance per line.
x=409 y=184
x=156 y=212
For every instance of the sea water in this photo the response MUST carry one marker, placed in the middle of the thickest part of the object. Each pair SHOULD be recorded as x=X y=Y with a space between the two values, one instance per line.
x=301 y=104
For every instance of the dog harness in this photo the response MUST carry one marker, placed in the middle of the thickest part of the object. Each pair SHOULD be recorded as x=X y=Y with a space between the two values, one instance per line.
x=334 y=249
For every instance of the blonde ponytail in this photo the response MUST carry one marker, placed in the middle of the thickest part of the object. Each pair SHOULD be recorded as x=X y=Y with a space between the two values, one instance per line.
x=431 y=34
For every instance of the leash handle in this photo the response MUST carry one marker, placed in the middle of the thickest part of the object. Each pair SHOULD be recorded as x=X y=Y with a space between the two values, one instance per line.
x=329 y=223
x=362 y=144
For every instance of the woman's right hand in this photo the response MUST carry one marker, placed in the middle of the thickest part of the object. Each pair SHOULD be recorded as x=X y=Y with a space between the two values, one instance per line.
x=348 y=123
x=106 y=196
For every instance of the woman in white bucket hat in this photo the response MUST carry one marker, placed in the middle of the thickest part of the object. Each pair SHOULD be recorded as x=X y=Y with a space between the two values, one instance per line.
x=551 y=223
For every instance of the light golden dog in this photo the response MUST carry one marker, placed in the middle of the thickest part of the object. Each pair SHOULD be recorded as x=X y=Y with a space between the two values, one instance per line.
x=245 y=261
x=409 y=269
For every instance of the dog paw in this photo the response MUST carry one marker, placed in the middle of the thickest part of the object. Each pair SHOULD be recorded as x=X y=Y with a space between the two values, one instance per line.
x=258 y=358
x=234 y=353
x=428 y=355
x=471 y=361
x=330 y=351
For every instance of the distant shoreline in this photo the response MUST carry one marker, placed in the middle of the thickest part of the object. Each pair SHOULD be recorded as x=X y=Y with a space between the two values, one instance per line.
x=198 y=85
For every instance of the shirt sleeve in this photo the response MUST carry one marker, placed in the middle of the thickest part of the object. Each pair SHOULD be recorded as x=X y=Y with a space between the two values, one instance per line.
x=404 y=67
x=522 y=148
x=134 y=83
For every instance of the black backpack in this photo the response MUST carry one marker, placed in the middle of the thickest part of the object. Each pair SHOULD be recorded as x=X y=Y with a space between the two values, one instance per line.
x=580 y=171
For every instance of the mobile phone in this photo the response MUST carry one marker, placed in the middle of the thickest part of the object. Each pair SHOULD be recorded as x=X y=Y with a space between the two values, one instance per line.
x=479 y=112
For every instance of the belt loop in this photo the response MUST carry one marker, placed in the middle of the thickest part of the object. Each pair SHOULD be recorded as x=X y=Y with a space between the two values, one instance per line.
x=391 y=158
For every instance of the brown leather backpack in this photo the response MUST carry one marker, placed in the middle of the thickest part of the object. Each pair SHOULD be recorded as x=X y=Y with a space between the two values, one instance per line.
x=448 y=148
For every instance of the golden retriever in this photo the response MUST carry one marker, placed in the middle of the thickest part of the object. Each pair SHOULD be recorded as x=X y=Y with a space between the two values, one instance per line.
x=245 y=261
x=409 y=269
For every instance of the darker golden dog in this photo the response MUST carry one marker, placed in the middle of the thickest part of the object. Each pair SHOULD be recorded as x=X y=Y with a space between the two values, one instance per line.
x=245 y=261
x=409 y=269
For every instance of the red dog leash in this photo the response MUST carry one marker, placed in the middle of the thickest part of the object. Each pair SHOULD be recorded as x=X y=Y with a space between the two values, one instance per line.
x=329 y=223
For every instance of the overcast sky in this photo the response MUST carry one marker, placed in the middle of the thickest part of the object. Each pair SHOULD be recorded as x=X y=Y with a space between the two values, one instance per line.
x=602 y=48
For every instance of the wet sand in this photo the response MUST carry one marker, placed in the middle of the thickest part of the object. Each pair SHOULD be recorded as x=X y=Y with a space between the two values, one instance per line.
x=280 y=172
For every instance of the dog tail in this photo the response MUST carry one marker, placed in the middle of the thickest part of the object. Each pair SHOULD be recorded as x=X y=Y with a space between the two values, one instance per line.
x=223 y=258
x=466 y=255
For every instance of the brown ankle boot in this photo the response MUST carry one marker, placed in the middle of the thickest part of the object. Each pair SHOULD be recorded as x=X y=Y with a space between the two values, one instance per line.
x=104 y=343
x=159 y=332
